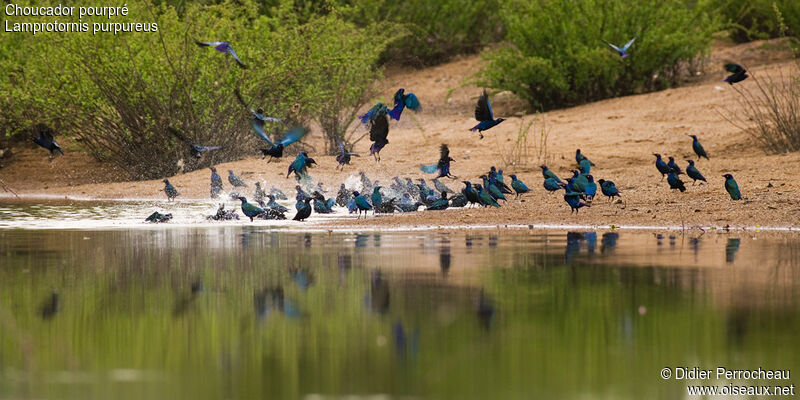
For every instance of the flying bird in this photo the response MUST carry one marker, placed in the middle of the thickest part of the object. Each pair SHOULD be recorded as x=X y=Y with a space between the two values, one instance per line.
x=442 y=166
x=276 y=149
x=698 y=148
x=403 y=100
x=300 y=165
x=378 y=132
x=48 y=142
x=623 y=51
x=732 y=187
x=738 y=73
x=484 y=115
x=377 y=111
x=222 y=47
x=258 y=115
x=343 y=158
x=195 y=149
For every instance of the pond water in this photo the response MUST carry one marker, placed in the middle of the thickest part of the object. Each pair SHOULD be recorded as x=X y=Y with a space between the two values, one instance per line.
x=241 y=312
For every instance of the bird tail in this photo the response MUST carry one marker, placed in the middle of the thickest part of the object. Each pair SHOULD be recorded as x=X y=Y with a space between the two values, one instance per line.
x=474 y=128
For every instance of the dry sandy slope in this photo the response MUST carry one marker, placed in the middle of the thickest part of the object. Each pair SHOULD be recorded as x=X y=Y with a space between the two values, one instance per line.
x=618 y=135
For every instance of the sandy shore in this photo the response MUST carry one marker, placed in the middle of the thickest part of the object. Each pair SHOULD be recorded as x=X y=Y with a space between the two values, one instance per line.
x=618 y=135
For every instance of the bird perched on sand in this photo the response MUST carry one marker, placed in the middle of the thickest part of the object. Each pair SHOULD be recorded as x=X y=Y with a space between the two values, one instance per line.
x=442 y=166
x=216 y=183
x=195 y=149
x=673 y=166
x=222 y=47
x=493 y=190
x=580 y=157
x=470 y=193
x=738 y=73
x=235 y=180
x=441 y=187
x=573 y=199
x=549 y=174
x=303 y=209
x=343 y=158
x=585 y=166
x=484 y=115
x=378 y=133
x=732 y=187
x=276 y=148
x=608 y=188
x=698 y=148
x=692 y=172
x=623 y=51
x=377 y=111
x=458 y=200
x=361 y=203
x=170 y=190
x=249 y=210
x=300 y=165
x=440 y=204
x=662 y=167
x=519 y=186
x=376 y=197
x=48 y=142
x=403 y=100
x=590 y=188
x=485 y=198
x=551 y=185
x=578 y=181
x=675 y=182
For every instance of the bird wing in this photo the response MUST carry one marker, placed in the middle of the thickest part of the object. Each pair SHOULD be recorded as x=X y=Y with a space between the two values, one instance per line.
x=241 y=100
x=616 y=48
x=209 y=148
x=258 y=128
x=444 y=153
x=341 y=146
x=379 y=129
x=293 y=135
x=430 y=168
x=206 y=44
x=628 y=45
x=411 y=101
x=734 y=68
x=235 y=57
x=47 y=135
x=483 y=111
x=368 y=116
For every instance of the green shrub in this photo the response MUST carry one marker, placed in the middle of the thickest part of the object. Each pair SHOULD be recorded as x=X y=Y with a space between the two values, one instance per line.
x=757 y=19
x=557 y=53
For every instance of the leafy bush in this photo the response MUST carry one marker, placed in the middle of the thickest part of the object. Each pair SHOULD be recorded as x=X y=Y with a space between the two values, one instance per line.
x=121 y=95
x=557 y=53
x=757 y=19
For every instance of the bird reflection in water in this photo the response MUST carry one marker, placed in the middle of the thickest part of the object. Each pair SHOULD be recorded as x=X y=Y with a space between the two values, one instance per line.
x=730 y=249
x=485 y=310
x=378 y=297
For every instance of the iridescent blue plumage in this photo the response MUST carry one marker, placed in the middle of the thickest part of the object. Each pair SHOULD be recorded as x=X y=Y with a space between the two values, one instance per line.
x=222 y=47
x=662 y=167
x=300 y=165
x=484 y=115
x=519 y=187
x=403 y=100
x=732 y=187
x=623 y=51
x=698 y=148
x=694 y=173
x=549 y=174
x=608 y=188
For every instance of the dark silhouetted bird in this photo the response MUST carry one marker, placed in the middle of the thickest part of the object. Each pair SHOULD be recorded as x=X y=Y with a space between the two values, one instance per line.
x=343 y=158
x=195 y=149
x=47 y=141
x=276 y=149
x=692 y=172
x=574 y=201
x=738 y=73
x=50 y=306
x=549 y=174
x=442 y=166
x=673 y=166
x=623 y=51
x=608 y=188
x=732 y=187
x=249 y=210
x=403 y=100
x=303 y=209
x=440 y=204
x=216 y=183
x=222 y=47
x=519 y=186
x=300 y=165
x=662 y=167
x=156 y=217
x=170 y=190
x=361 y=203
x=485 y=198
x=698 y=148
x=470 y=193
x=234 y=180
x=484 y=115
x=551 y=185
x=378 y=133
x=675 y=182
x=377 y=111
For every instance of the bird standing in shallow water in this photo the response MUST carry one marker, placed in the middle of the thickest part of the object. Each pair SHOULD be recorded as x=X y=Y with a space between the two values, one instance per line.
x=222 y=47
x=675 y=182
x=303 y=209
x=275 y=205
x=519 y=186
x=662 y=167
x=403 y=100
x=170 y=190
x=250 y=210
x=484 y=115
x=361 y=203
x=216 y=183
x=608 y=188
x=698 y=148
x=48 y=142
x=376 y=197
x=692 y=172
x=378 y=134
x=738 y=73
x=623 y=51
x=732 y=187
